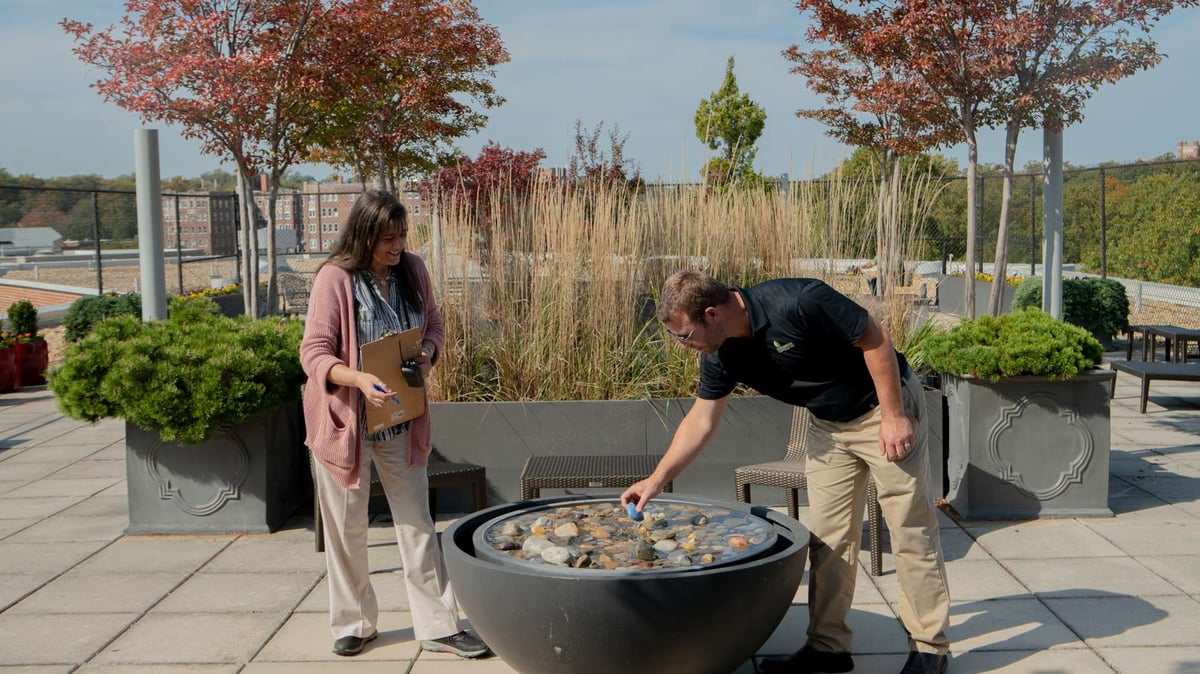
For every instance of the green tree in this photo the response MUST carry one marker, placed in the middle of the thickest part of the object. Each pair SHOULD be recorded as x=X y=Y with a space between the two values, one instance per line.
x=1154 y=230
x=730 y=122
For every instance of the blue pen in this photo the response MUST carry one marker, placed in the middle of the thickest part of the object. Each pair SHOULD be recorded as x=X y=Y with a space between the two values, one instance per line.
x=383 y=390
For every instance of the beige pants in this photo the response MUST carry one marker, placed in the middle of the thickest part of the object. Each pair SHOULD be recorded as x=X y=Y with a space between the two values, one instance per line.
x=353 y=609
x=839 y=458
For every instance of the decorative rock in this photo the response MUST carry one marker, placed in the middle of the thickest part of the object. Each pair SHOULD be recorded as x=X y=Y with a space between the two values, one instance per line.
x=535 y=544
x=666 y=545
x=557 y=555
x=600 y=536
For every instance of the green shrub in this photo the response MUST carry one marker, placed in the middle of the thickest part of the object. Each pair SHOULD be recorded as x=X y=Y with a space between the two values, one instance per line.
x=22 y=318
x=85 y=312
x=183 y=377
x=1024 y=342
x=1099 y=306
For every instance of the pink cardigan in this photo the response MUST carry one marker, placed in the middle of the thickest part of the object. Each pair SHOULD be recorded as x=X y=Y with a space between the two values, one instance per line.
x=333 y=430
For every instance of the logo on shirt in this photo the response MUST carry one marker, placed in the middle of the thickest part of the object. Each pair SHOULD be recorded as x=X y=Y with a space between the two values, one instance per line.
x=781 y=347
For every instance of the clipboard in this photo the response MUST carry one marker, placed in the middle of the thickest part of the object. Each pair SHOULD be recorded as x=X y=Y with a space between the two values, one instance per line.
x=385 y=358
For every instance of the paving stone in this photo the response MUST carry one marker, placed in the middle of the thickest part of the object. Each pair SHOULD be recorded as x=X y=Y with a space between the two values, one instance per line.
x=1089 y=577
x=1131 y=621
x=346 y=666
x=1025 y=662
x=156 y=554
x=35 y=508
x=100 y=506
x=1149 y=538
x=59 y=454
x=157 y=669
x=1183 y=571
x=51 y=558
x=28 y=470
x=202 y=638
x=75 y=592
x=1041 y=539
x=495 y=666
x=1013 y=624
x=239 y=592
x=77 y=637
x=71 y=529
x=251 y=554
x=15 y=586
x=968 y=579
x=91 y=467
x=54 y=486
x=1153 y=659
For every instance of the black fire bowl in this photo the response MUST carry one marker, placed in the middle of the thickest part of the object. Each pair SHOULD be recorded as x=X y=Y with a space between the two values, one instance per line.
x=561 y=621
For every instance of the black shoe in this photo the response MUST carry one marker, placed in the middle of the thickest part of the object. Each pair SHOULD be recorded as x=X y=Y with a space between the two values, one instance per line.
x=351 y=645
x=807 y=660
x=464 y=645
x=925 y=663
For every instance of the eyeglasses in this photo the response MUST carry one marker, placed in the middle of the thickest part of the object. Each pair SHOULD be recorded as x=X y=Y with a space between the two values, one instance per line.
x=683 y=339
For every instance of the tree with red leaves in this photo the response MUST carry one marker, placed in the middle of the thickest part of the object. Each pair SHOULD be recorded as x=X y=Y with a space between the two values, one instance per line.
x=1061 y=53
x=474 y=183
x=881 y=110
x=428 y=57
x=985 y=62
x=266 y=82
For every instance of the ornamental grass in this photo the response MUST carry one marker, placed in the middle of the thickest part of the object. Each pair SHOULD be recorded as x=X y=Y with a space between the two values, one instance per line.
x=549 y=294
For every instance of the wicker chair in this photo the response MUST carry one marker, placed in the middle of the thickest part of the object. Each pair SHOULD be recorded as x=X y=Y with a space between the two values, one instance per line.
x=789 y=475
x=442 y=473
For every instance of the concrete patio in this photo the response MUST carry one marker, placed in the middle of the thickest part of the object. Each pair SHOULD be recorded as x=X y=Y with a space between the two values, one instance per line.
x=1117 y=594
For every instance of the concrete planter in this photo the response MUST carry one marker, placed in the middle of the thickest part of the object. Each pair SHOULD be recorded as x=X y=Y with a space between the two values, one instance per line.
x=951 y=298
x=247 y=478
x=1029 y=447
x=501 y=436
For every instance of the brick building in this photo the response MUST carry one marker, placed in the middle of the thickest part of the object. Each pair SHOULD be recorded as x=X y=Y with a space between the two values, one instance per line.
x=316 y=213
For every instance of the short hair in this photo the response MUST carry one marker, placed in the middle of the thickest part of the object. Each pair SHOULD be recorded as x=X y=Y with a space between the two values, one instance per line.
x=690 y=292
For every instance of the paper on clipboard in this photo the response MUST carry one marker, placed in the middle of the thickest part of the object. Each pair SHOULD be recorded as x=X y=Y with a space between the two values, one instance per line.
x=385 y=358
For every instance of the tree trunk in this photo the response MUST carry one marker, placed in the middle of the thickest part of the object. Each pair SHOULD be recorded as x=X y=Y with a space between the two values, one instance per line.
x=1000 y=273
x=972 y=166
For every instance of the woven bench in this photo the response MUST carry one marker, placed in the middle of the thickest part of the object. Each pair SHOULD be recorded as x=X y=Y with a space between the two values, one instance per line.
x=441 y=473
x=578 y=472
x=1148 y=371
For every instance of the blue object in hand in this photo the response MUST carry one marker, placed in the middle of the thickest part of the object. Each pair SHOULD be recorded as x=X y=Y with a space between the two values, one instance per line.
x=634 y=515
x=382 y=390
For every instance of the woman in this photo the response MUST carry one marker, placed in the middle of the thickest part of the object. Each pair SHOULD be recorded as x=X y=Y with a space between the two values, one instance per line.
x=370 y=286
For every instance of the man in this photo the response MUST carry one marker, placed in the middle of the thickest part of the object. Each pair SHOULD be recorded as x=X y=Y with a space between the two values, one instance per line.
x=802 y=342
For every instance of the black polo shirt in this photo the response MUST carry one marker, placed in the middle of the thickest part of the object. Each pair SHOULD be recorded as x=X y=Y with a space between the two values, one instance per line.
x=801 y=351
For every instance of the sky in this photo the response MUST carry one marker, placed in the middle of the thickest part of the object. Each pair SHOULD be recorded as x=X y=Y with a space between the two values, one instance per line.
x=641 y=66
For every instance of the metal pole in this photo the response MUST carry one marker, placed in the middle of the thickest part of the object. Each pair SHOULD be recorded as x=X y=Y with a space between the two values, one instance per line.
x=1032 y=226
x=150 y=226
x=178 y=246
x=96 y=237
x=1103 y=231
x=1052 y=219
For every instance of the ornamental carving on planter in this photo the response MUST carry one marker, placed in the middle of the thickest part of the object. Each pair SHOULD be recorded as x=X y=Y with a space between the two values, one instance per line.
x=1072 y=473
x=229 y=453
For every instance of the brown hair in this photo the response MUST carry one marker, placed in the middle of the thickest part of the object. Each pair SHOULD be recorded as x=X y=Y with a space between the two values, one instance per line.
x=690 y=292
x=374 y=214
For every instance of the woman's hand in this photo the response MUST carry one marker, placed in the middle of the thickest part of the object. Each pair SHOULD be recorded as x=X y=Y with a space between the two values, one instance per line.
x=374 y=391
x=425 y=360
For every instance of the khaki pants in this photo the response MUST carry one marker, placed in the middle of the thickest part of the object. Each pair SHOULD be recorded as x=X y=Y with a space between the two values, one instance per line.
x=839 y=458
x=353 y=609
